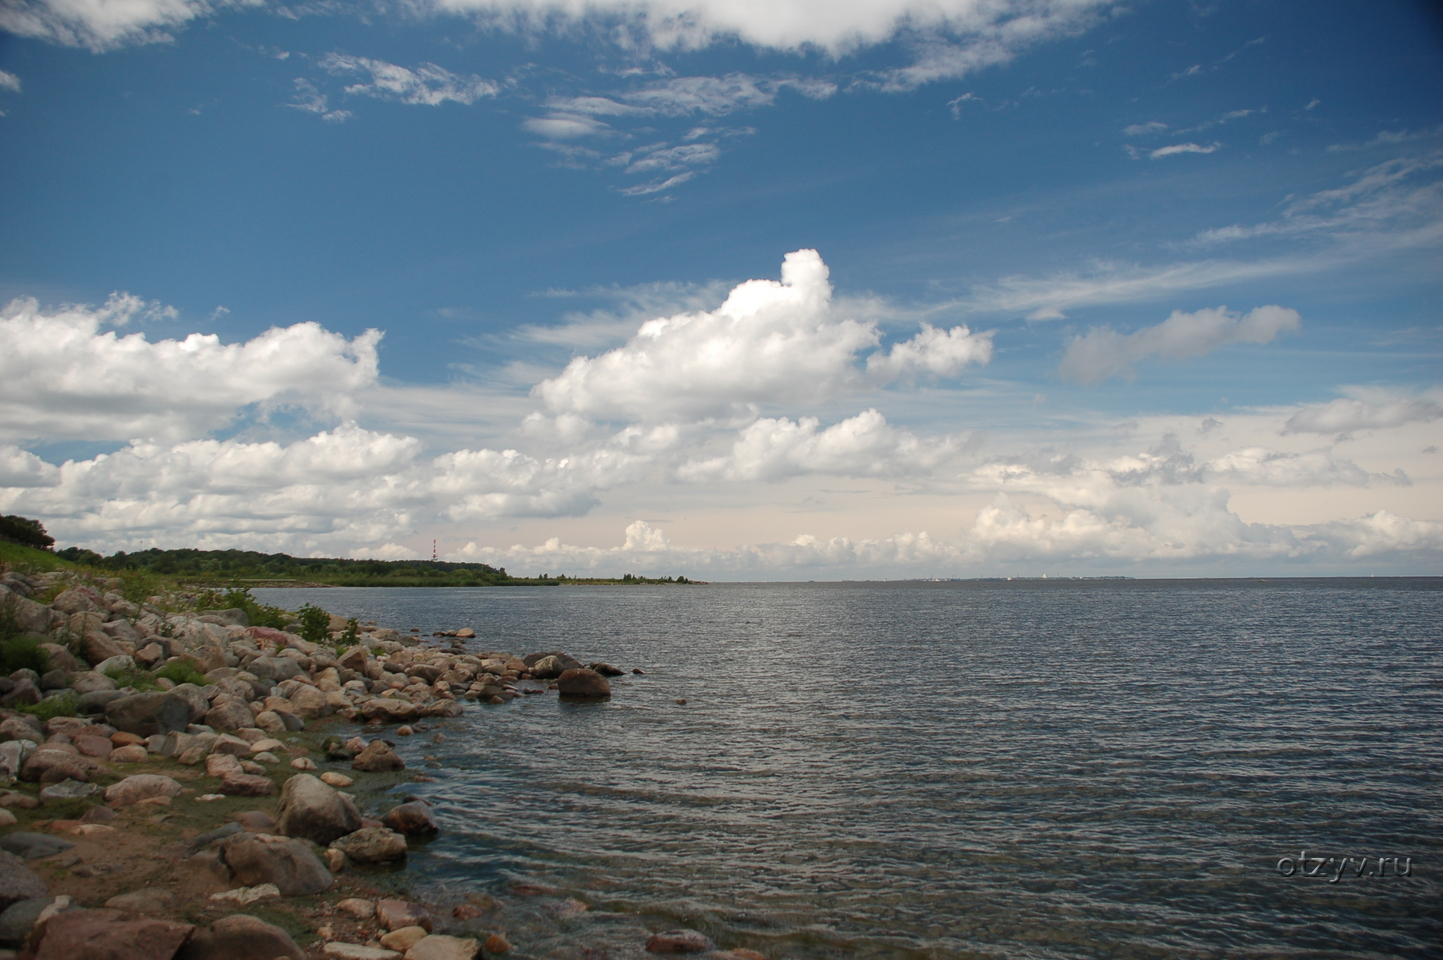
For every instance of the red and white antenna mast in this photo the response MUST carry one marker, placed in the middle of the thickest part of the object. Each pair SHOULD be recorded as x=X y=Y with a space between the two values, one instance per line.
x=433 y=551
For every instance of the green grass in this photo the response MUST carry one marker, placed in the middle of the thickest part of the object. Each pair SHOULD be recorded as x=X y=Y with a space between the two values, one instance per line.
x=30 y=560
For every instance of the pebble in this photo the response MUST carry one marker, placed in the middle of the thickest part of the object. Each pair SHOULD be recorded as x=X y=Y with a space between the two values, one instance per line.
x=357 y=951
x=403 y=938
x=357 y=909
x=338 y=780
x=496 y=944
x=244 y=895
x=303 y=763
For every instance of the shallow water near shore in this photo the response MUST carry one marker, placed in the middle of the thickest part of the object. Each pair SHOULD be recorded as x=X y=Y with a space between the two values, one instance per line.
x=947 y=770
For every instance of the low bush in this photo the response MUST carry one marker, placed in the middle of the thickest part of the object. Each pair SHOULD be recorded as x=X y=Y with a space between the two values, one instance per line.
x=181 y=672
x=65 y=705
x=315 y=623
x=22 y=653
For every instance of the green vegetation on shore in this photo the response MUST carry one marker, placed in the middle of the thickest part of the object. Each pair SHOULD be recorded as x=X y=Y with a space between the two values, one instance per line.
x=249 y=568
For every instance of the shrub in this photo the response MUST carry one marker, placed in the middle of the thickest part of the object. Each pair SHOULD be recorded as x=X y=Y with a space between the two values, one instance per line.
x=239 y=598
x=65 y=705
x=141 y=680
x=23 y=653
x=315 y=623
x=181 y=672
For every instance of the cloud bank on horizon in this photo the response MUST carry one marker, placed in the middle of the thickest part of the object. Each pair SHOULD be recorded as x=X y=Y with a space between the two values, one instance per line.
x=1080 y=311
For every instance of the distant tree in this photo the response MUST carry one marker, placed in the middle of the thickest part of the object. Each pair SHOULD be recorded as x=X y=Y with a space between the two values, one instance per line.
x=80 y=555
x=25 y=531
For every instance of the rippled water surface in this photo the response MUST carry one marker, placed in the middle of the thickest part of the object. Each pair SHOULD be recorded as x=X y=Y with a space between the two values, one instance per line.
x=980 y=769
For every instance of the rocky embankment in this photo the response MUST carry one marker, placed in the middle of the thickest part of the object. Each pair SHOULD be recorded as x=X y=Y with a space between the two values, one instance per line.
x=163 y=796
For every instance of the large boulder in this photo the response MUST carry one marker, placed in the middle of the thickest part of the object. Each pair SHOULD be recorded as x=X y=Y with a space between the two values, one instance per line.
x=108 y=935
x=583 y=683
x=77 y=600
x=314 y=811
x=148 y=714
x=17 y=919
x=18 y=728
x=355 y=658
x=308 y=702
x=377 y=757
x=389 y=710
x=52 y=766
x=60 y=657
x=91 y=682
x=141 y=786
x=229 y=713
x=33 y=846
x=413 y=819
x=247 y=785
x=240 y=937
x=284 y=861
x=97 y=647
x=23 y=691
x=30 y=617
x=275 y=668
x=372 y=845
x=194 y=698
x=17 y=881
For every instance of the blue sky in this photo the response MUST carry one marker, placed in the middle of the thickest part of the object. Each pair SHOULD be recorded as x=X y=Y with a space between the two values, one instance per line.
x=1072 y=288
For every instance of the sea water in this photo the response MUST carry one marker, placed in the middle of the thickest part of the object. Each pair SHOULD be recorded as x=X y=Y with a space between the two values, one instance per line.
x=965 y=769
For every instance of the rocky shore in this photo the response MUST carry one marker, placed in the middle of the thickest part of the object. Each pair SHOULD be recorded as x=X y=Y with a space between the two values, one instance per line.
x=181 y=784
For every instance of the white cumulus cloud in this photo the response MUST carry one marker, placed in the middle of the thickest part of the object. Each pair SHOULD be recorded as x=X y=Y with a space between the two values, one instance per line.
x=860 y=446
x=1103 y=352
x=61 y=376
x=769 y=342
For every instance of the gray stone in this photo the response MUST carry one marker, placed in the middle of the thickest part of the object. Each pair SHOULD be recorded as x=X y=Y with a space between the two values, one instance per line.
x=18 y=918
x=17 y=881
x=90 y=682
x=314 y=811
x=440 y=947
x=13 y=754
x=284 y=861
x=194 y=698
x=33 y=846
x=96 y=702
x=113 y=665
x=275 y=668
x=141 y=786
x=68 y=790
x=148 y=714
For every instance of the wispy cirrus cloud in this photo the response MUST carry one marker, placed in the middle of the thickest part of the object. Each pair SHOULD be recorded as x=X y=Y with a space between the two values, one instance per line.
x=1365 y=408
x=1102 y=352
x=426 y=85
